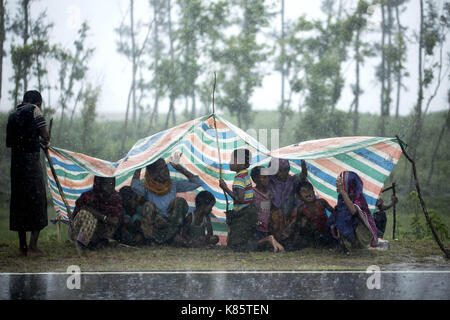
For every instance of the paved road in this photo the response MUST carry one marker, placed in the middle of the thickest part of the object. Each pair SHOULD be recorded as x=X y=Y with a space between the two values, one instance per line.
x=383 y=285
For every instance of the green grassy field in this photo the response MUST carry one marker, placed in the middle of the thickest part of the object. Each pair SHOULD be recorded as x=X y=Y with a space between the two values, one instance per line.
x=62 y=254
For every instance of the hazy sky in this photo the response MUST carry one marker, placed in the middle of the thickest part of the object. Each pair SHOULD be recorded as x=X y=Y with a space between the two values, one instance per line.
x=112 y=71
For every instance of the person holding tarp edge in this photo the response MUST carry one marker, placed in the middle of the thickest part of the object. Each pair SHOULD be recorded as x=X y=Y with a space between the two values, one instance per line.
x=25 y=132
x=163 y=213
x=380 y=215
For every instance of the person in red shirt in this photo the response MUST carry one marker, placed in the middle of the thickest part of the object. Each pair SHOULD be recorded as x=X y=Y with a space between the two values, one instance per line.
x=310 y=227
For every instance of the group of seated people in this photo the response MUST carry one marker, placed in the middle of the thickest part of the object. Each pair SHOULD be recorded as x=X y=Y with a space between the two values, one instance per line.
x=281 y=212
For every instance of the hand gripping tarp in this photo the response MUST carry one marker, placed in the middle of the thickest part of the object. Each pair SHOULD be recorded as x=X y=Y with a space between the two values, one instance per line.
x=372 y=158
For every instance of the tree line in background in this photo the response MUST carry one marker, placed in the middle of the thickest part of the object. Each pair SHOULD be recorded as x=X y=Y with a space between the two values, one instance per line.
x=174 y=52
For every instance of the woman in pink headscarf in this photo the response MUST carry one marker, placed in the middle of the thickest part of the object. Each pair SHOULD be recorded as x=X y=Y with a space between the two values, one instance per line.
x=283 y=201
x=352 y=219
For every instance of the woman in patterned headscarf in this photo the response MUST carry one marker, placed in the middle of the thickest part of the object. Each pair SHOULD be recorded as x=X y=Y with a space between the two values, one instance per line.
x=352 y=219
x=96 y=215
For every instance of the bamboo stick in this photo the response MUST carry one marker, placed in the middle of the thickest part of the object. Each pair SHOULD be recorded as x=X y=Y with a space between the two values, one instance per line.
x=58 y=222
x=217 y=141
x=52 y=169
x=394 y=212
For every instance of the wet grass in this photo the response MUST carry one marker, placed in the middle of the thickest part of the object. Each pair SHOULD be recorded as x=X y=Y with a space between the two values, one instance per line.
x=163 y=258
x=62 y=254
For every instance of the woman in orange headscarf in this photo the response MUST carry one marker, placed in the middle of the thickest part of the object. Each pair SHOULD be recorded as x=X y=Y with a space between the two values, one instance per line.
x=163 y=213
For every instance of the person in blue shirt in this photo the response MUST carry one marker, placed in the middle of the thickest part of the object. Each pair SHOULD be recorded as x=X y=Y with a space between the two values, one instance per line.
x=163 y=213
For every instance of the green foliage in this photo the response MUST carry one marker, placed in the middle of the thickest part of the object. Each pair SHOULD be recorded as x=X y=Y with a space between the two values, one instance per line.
x=240 y=59
x=88 y=115
x=419 y=228
x=315 y=52
x=316 y=125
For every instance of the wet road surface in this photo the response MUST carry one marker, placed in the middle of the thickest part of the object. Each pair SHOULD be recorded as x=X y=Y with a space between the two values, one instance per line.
x=393 y=285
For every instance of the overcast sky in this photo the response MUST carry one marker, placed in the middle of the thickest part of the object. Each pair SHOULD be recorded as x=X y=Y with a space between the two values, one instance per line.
x=112 y=71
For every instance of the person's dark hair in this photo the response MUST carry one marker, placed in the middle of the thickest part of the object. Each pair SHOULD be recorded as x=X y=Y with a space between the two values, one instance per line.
x=243 y=153
x=153 y=166
x=256 y=172
x=32 y=96
x=126 y=193
x=303 y=184
x=204 y=198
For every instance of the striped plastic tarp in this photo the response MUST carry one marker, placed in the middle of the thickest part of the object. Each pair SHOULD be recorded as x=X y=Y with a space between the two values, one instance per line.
x=373 y=158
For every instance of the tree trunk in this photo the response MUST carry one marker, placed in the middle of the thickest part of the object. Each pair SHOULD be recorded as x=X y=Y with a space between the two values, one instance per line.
x=357 y=58
x=399 y=61
x=389 y=62
x=2 y=41
x=171 y=106
x=283 y=72
x=383 y=73
x=417 y=128
x=16 y=88
x=80 y=92
x=25 y=7
x=194 y=107
x=172 y=57
x=38 y=66
x=418 y=109
x=239 y=119
x=133 y=53
x=174 y=119
x=154 y=115
x=193 y=52
x=125 y=127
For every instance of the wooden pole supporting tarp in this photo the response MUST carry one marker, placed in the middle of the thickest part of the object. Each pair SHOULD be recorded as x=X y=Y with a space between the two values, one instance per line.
x=217 y=140
x=422 y=202
x=394 y=212
x=58 y=184
x=392 y=187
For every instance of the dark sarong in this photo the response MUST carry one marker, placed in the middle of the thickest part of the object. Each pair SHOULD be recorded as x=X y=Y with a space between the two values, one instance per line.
x=28 y=207
x=242 y=232
x=163 y=229
x=380 y=223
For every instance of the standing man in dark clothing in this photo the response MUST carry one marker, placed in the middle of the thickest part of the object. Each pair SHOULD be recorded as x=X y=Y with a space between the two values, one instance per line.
x=25 y=131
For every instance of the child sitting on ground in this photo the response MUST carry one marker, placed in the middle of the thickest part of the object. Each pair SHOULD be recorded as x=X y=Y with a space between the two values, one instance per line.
x=262 y=200
x=380 y=215
x=311 y=216
x=197 y=228
x=129 y=231
x=242 y=220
